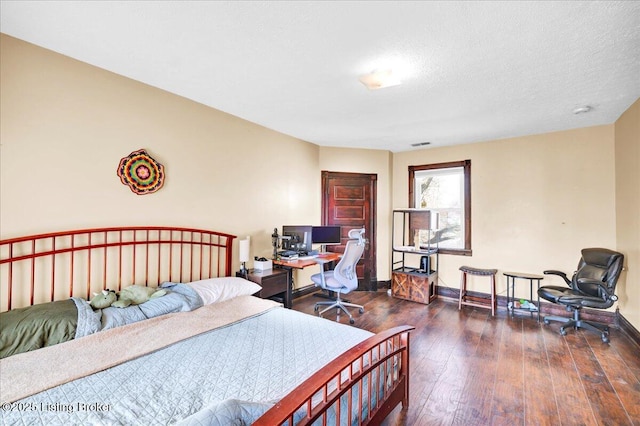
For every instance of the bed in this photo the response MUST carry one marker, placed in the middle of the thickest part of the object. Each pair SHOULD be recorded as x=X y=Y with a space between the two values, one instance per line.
x=207 y=352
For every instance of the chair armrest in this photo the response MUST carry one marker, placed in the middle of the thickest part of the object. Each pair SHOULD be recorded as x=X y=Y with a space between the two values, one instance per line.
x=321 y=262
x=594 y=286
x=560 y=274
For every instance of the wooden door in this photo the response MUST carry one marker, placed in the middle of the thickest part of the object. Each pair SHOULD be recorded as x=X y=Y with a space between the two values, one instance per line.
x=349 y=200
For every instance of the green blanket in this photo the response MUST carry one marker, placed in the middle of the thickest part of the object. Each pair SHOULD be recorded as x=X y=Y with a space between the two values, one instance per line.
x=37 y=326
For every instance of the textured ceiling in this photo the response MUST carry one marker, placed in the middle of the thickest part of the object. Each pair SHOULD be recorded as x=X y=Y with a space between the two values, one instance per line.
x=471 y=71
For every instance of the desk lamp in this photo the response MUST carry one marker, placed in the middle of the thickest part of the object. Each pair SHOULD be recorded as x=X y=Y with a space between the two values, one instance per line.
x=244 y=255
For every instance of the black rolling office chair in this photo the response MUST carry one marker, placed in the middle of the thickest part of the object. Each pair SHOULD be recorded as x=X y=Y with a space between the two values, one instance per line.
x=592 y=286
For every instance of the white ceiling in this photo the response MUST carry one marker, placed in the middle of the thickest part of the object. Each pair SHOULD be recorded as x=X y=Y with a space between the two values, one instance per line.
x=471 y=71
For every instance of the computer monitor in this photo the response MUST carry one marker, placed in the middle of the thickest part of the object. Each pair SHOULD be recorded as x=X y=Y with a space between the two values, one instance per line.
x=300 y=240
x=326 y=235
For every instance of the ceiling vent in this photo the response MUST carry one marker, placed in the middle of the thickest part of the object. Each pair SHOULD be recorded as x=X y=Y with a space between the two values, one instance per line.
x=415 y=145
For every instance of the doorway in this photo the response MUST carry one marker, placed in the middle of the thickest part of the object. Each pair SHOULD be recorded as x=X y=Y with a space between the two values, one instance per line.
x=349 y=201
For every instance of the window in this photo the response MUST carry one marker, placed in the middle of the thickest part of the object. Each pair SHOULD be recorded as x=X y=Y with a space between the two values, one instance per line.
x=446 y=189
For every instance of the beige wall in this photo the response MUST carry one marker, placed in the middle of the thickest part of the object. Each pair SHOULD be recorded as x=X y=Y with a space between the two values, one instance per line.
x=533 y=203
x=627 y=152
x=66 y=125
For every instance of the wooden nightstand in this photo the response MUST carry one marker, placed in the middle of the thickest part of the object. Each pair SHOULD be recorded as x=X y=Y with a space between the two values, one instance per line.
x=274 y=282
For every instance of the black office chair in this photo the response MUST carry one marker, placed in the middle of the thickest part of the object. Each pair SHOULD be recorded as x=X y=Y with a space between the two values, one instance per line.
x=592 y=286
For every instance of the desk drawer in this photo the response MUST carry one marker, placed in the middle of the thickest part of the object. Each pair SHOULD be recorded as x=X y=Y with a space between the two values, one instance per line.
x=273 y=285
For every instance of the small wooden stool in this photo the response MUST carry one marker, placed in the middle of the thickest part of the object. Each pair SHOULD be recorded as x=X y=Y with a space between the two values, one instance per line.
x=477 y=301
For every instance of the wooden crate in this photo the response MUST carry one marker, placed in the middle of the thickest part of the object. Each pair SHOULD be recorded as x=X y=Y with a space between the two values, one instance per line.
x=417 y=287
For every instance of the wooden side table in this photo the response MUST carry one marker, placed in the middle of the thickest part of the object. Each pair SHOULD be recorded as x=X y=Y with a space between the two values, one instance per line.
x=274 y=282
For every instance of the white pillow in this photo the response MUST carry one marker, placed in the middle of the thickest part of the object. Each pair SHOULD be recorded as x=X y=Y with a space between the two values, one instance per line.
x=214 y=290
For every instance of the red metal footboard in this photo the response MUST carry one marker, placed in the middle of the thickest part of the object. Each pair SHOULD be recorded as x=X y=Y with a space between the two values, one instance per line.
x=46 y=267
x=362 y=386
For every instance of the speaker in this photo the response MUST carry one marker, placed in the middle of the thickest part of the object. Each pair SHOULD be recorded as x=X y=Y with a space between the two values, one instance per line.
x=425 y=264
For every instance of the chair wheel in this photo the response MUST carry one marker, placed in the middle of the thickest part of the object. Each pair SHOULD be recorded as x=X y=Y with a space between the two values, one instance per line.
x=361 y=310
x=563 y=331
x=315 y=309
x=352 y=321
x=605 y=338
x=546 y=321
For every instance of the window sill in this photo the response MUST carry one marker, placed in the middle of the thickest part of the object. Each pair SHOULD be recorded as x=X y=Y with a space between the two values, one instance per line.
x=458 y=252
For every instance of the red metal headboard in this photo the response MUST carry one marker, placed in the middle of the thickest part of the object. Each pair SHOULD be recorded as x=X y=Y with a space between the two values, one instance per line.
x=46 y=267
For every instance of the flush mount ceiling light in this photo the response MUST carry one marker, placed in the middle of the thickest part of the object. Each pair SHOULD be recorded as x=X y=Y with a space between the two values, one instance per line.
x=582 y=109
x=380 y=79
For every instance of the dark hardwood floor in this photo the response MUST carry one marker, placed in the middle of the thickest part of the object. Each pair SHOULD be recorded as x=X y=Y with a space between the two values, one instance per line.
x=468 y=368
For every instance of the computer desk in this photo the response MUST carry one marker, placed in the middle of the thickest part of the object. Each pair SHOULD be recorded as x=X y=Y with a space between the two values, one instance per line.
x=290 y=265
x=301 y=264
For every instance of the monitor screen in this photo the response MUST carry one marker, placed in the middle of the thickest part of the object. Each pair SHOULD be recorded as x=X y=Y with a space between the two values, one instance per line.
x=300 y=238
x=325 y=235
